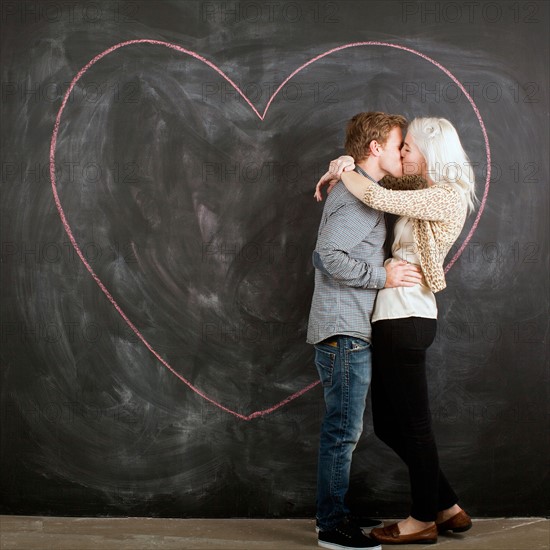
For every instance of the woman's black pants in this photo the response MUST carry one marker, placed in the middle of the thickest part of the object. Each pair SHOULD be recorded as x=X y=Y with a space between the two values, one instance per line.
x=401 y=409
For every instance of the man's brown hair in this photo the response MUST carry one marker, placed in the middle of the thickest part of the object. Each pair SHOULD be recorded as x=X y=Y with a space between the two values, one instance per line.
x=366 y=127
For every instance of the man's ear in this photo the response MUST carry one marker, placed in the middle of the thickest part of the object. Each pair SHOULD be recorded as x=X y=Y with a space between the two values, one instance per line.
x=374 y=148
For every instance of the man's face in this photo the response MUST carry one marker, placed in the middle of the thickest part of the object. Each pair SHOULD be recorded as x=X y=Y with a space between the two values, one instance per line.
x=390 y=154
x=413 y=161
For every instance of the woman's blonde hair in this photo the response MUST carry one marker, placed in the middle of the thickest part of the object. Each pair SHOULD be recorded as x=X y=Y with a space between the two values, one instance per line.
x=446 y=160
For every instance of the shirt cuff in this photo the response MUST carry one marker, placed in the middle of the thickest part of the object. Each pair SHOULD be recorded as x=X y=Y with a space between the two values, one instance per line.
x=378 y=277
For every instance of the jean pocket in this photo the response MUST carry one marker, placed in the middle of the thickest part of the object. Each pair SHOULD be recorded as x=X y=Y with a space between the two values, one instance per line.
x=324 y=361
x=357 y=344
x=359 y=360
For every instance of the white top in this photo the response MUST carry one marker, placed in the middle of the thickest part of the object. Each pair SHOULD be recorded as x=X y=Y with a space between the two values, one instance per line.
x=414 y=301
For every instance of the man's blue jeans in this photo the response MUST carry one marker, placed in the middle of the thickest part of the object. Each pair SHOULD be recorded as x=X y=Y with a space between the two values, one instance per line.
x=345 y=373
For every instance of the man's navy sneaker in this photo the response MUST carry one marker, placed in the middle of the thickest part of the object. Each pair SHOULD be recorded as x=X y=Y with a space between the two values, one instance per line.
x=346 y=536
x=363 y=522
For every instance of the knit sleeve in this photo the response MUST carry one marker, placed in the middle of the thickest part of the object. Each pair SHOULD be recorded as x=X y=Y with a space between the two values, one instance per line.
x=440 y=202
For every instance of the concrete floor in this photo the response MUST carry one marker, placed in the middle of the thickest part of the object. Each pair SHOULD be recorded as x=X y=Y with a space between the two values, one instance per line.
x=53 y=533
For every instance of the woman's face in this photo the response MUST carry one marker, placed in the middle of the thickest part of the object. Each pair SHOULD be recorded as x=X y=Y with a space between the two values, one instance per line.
x=414 y=162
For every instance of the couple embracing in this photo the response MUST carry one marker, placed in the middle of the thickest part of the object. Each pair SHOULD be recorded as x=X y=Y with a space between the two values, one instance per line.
x=371 y=320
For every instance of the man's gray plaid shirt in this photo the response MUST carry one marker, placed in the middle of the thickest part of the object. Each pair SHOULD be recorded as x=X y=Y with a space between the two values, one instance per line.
x=348 y=260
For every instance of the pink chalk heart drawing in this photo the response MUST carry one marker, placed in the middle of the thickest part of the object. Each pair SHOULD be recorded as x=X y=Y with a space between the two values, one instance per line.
x=261 y=116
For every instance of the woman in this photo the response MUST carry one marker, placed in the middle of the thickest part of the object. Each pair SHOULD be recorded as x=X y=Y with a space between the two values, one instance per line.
x=432 y=207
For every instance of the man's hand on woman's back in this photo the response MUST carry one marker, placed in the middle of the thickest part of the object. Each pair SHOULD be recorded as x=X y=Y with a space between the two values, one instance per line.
x=402 y=273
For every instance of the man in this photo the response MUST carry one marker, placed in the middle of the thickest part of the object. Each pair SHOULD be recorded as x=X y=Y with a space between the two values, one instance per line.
x=349 y=259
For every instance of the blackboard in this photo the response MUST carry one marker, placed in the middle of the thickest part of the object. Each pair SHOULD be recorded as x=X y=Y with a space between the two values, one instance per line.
x=184 y=387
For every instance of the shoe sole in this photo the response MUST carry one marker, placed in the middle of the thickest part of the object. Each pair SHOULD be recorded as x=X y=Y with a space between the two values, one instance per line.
x=393 y=542
x=423 y=541
x=334 y=546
